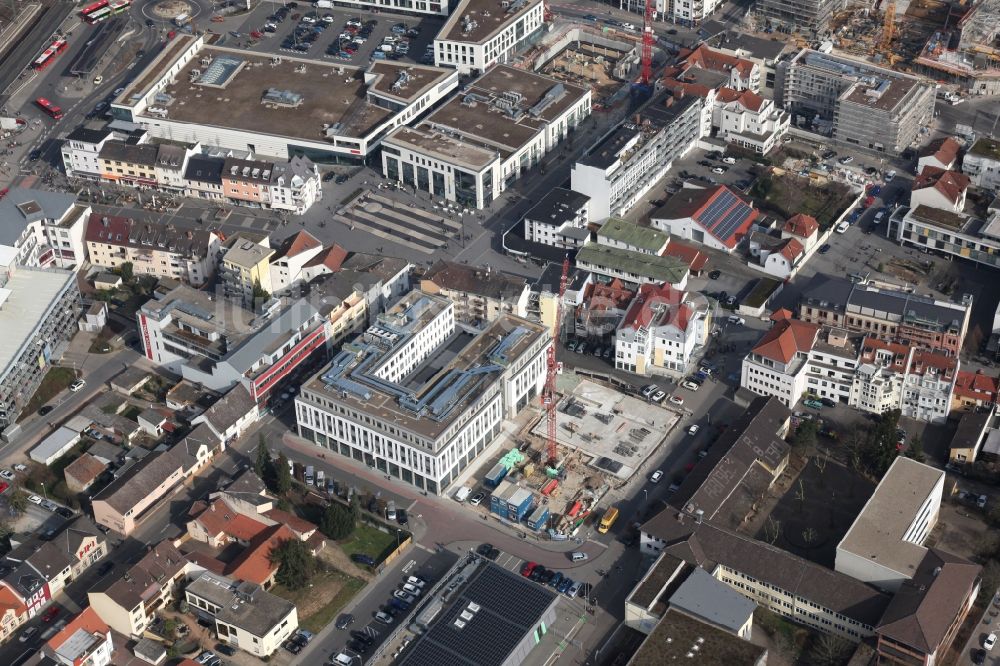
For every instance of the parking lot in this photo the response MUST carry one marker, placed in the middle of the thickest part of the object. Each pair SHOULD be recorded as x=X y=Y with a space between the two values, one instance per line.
x=328 y=38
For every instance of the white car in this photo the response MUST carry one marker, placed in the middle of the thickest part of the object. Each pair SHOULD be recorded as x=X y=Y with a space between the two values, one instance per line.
x=416 y=582
x=690 y=385
x=990 y=641
x=6 y=474
x=411 y=589
x=403 y=596
x=729 y=160
x=35 y=499
x=657 y=475
x=739 y=321
x=648 y=390
x=677 y=400
x=718 y=170
x=658 y=396
x=842 y=227
x=382 y=617
x=477 y=498
x=693 y=430
x=77 y=385
x=889 y=176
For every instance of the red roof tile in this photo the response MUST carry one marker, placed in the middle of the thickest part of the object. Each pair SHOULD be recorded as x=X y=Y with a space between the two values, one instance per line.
x=297 y=244
x=792 y=250
x=707 y=58
x=254 y=563
x=332 y=257
x=977 y=385
x=695 y=258
x=786 y=338
x=943 y=150
x=746 y=98
x=84 y=469
x=900 y=352
x=88 y=620
x=801 y=225
x=949 y=183
x=663 y=303
x=219 y=518
x=296 y=524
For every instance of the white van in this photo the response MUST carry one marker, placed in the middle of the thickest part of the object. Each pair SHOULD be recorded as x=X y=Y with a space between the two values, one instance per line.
x=842 y=227
x=579 y=557
x=462 y=493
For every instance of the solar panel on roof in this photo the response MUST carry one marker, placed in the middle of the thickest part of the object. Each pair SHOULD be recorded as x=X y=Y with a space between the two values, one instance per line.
x=722 y=202
x=731 y=222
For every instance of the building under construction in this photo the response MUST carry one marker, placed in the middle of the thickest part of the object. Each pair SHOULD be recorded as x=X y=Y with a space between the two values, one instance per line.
x=965 y=51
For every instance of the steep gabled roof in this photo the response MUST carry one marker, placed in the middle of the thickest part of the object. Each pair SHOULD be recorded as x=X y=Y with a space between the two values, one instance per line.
x=296 y=244
x=792 y=250
x=950 y=184
x=664 y=304
x=977 y=385
x=745 y=98
x=943 y=150
x=801 y=225
x=332 y=257
x=786 y=338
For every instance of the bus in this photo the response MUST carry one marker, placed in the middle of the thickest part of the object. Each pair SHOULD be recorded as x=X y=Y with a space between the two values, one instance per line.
x=610 y=516
x=50 y=54
x=103 y=9
x=48 y=107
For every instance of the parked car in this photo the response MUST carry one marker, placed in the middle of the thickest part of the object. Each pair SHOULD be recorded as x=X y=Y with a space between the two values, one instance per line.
x=417 y=581
x=6 y=474
x=814 y=404
x=34 y=499
x=361 y=558
x=227 y=650
x=846 y=159
x=690 y=385
x=411 y=589
x=408 y=598
x=527 y=568
x=677 y=400
x=693 y=429
x=477 y=498
x=990 y=641
x=343 y=622
x=30 y=632
x=738 y=321
x=658 y=396
x=714 y=275
x=656 y=476
x=77 y=385
x=384 y=617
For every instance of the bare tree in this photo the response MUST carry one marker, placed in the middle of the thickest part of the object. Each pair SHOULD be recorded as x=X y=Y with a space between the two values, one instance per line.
x=828 y=650
x=772 y=530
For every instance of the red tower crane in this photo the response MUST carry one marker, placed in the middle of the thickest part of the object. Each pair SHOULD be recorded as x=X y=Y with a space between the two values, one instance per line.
x=549 y=392
x=648 y=39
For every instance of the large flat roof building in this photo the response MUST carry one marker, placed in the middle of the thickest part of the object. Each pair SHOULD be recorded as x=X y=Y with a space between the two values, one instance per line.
x=277 y=106
x=420 y=396
x=482 y=33
x=473 y=147
x=38 y=315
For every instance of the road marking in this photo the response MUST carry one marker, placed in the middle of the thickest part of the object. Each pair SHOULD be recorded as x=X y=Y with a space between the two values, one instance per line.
x=409 y=565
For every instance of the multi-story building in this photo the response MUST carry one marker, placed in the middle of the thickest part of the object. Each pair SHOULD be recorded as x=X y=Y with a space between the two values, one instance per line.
x=160 y=250
x=811 y=16
x=219 y=344
x=38 y=314
x=42 y=229
x=940 y=153
x=203 y=178
x=128 y=604
x=129 y=162
x=878 y=383
x=84 y=641
x=777 y=365
x=982 y=163
x=623 y=166
x=887 y=314
x=295 y=185
x=477 y=144
x=661 y=331
x=954 y=234
x=288 y=263
x=244 y=614
x=483 y=33
x=884 y=546
x=974 y=391
x=939 y=188
x=247 y=181
x=765 y=53
x=277 y=108
x=425 y=434
x=559 y=219
x=480 y=295
x=928 y=386
x=712 y=216
x=245 y=270
x=81 y=149
x=618 y=233
x=853 y=102
x=632 y=267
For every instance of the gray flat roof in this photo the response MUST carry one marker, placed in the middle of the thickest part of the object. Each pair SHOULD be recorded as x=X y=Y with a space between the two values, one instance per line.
x=244 y=605
x=32 y=293
x=21 y=206
x=709 y=599
x=479 y=20
x=877 y=532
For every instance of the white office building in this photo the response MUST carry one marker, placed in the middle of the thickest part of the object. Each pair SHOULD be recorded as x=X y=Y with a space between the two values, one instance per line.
x=661 y=331
x=483 y=33
x=421 y=397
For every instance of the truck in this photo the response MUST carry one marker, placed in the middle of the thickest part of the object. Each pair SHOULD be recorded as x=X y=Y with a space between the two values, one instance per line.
x=610 y=516
x=309 y=475
x=462 y=493
x=320 y=479
x=182 y=20
x=323 y=4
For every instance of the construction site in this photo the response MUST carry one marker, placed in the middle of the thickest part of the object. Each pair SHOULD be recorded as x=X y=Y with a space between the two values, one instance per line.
x=953 y=42
x=603 y=436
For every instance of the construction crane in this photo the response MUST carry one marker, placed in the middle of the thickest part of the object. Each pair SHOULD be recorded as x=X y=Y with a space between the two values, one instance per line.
x=648 y=39
x=888 y=28
x=549 y=392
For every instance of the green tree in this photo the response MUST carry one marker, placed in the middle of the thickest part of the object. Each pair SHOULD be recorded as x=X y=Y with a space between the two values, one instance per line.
x=260 y=294
x=125 y=270
x=282 y=475
x=262 y=465
x=296 y=565
x=337 y=521
x=17 y=500
x=990 y=581
x=916 y=449
x=805 y=436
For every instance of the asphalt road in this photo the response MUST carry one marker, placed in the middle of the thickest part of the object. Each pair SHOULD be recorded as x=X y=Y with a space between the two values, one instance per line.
x=38 y=37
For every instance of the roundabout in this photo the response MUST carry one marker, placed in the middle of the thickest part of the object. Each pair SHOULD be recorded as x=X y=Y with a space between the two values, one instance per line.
x=168 y=10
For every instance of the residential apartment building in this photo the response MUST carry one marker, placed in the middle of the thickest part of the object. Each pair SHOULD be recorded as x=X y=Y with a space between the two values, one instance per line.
x=203 y=178
x=247 y=181
x=296 y=184
x=855 y=103
x=940 y=188
x=764 y=52
x=482 y=33
x=622 y=235
x=474 y=146
x=245 y=270
x=940 y=153
x=624 y=165
x=81 y=149
x=160 y=250
x=928 y=386
x=886 y=314
x=122 y=504
x=632 y=267
x=982 y=163
x=219 y=345
x=884 y=545
x=948 y=233
x=38 y=316
x=974 y=391
x=559 y=219
x=42 y=229
x=288 y=263
x=480 y=295
x=128 y=603
x=244 y=615
x=805 y=16
x=661 y=331
x=427 y=435
x=878 y=383
x=84 y=641
x=130 y=162
x=688 y=12
x=777 y=365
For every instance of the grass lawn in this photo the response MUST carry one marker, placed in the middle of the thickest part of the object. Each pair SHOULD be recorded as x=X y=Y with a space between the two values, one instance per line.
x=369 y=541
x=132 y=412
x=319 y=603
x=55 y=381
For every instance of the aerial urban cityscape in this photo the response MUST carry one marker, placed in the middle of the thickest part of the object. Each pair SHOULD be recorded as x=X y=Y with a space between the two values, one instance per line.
x=499 y=332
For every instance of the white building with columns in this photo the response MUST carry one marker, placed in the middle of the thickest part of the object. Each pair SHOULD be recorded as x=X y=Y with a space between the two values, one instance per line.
x=419 y=396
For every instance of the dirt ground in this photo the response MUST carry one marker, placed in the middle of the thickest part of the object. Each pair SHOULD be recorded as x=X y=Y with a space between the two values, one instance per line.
x=338 y=559
x=959 y=529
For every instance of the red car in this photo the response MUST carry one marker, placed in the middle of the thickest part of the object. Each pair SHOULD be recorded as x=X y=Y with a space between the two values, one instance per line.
x=4 y=486
x=528 y=568
x=50 y=614
x=869 y=201
x=4 y=192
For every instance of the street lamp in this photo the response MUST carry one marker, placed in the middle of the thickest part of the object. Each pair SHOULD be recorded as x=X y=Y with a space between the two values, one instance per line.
x=397 y=536
x=43 y=490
